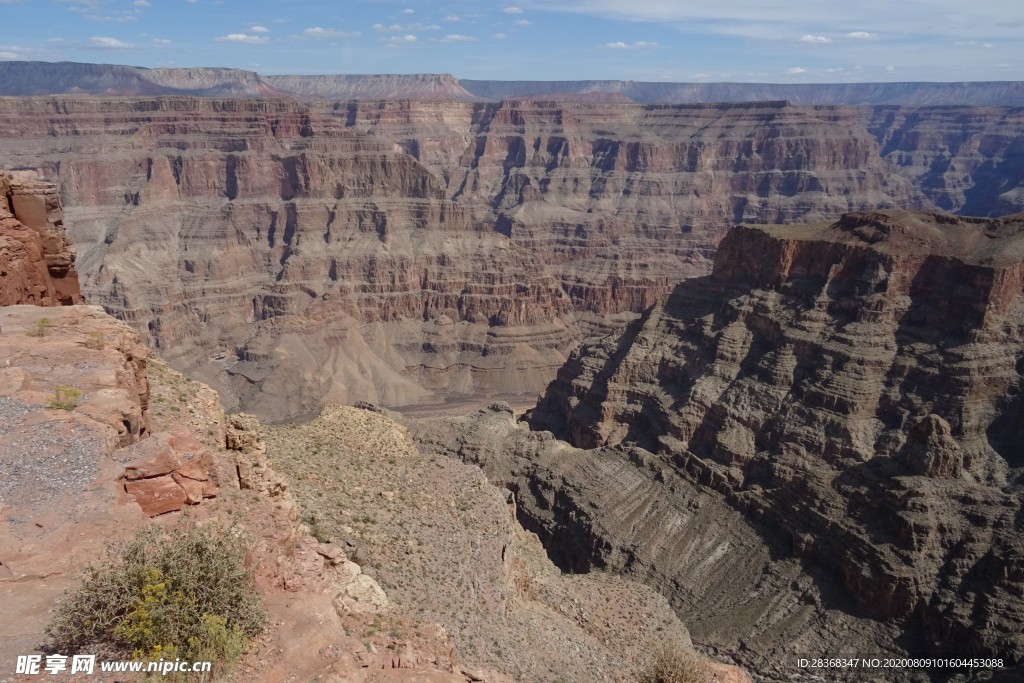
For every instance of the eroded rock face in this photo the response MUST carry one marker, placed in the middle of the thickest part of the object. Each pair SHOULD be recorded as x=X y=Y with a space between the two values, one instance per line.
x=931 y=449
x=37 y=266
x=854 y=387
x=294 y=255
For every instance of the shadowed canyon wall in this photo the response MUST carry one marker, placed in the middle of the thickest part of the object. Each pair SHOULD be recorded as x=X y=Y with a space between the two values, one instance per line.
x=296 y=254
x=854 y=391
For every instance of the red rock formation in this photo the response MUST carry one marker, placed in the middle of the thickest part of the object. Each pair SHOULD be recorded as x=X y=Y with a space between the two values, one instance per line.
x=37 y=265
x=162 y=480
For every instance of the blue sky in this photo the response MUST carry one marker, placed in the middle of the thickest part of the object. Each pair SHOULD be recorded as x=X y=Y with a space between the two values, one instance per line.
x=652 y=40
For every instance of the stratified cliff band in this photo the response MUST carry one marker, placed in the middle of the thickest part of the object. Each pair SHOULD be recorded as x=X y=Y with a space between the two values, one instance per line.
x=854 y=389
x=296 y=255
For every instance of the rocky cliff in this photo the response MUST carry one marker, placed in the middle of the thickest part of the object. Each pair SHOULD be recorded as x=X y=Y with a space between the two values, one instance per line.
x=911 y=94
x=853 y=390
x=37 y=266
x=301 y=254
x=97 y=437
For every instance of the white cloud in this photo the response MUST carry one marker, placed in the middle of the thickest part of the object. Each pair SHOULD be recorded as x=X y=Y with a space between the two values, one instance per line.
x=512 y=10
x=244 y=38
x=160 y=42
x=890 y=68
x=422 y=27
x=391 y=28
x=773 y=20
x=619 y=45
x=259 y=29
x=402 y=40
x=522 y=22
x=819 y=40
x=408 y=10
x=6 y=55
x=320 y=33
x=142 y=3
x=796 y=70
x=456 y=38
x=860 y=35
x=499 y=36
x=453 y=17
x=108 y=43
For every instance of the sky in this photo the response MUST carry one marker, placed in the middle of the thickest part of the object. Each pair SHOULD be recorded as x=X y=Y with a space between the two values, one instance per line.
x=773 y=41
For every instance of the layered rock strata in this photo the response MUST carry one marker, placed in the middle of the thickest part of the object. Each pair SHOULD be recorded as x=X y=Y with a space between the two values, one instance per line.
x=37 y=265
x=855 y=389
x=295 y=255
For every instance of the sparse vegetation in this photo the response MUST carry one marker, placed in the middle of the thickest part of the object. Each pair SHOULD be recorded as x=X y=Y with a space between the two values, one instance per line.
x=41 y=328
x=182 y=593
x=65 y=397
x=676 y=663
x=95 y=341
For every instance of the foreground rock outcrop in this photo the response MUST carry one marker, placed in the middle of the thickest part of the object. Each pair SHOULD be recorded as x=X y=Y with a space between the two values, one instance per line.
x=847 y=394
x=396 y=567
x=37 y=265
x=84 y=433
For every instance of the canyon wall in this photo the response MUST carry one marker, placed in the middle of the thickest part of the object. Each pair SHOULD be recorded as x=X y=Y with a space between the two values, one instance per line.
x=851 y=390
x=294 y=255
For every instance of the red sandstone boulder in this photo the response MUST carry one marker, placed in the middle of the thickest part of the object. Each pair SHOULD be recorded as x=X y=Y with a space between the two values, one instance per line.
x=161 y=480
x=157 y=495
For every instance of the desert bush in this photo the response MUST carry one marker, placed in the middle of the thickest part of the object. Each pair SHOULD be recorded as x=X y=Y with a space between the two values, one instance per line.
x=65 y=397
x=40 y=329
x=676 y=663
x=173 y=594
x=95 y=340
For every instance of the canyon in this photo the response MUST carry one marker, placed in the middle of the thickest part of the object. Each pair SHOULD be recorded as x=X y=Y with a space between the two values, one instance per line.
x=299 y=254
x=99 y=439
x=815 y=448
x=781 y=382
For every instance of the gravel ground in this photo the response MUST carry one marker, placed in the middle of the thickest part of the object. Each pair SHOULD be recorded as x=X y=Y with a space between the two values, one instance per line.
x=42 y=462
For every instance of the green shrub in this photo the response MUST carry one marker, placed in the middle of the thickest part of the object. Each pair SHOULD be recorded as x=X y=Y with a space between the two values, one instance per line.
x=65 y=397
x=676 y=664
x=40 y=329
x=183 y=593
